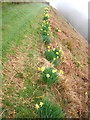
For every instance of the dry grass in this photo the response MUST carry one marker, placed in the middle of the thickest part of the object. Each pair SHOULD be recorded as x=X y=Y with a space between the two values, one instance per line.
x=74 y=83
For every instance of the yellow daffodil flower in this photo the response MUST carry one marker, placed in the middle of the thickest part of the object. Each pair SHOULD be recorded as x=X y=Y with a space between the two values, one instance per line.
x=61 y=56
x=48 y=47
x=60 y=48
x=37 y=106
x=57 y=53
x=53 y=71
x=56 y=70
x=81 y=65
x=59 y=31
x=61 y=72
x=41 y=104
x=57 y=57
x=48 y=34
x=38 y=68
x=48 y=50
x=41 y=29
x=47 y=75
x=85 y=93
x=54 y=58
x=53 y=49
x=42 y=69
x=44 y=21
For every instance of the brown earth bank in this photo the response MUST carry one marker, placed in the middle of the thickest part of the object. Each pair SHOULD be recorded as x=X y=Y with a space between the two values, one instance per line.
x=75 y=80
x=70 y=91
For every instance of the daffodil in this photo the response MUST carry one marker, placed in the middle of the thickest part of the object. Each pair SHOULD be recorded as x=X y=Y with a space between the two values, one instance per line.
x=47 y=75
x=63 y=61
x=48 y=34
x=57 y=57
x=48 y=50
x=60 y=48
x=62 y=51
x=38 y=68
x=54 y=58
x=59 y=31
x=46 y=8
x=44 y=21
x=56 y=70
x=61 y=56
x=48 y=47
x=41 y=29
x=53 y=71
x=61 y=72
x=42 y=69
x=85 y=93
x=41 y=104
x=53 y=49
x=57 y=53
x=37 y=106
x=81 y=65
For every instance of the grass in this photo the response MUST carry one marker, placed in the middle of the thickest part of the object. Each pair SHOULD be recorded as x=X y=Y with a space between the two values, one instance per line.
x=25 y=89
x=16 y=22
x=19 y=101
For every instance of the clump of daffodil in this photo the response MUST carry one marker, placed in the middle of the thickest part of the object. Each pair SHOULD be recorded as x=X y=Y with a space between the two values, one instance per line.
x=37 y=106
x=41 y=104
x=47 y=75
x=50 y=110
x=43 y=68
x=38 y=68
x=61 y=72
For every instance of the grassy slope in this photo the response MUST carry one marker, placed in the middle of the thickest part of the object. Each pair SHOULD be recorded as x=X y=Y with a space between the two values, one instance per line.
x=16 y=22
x=22 y=87
x=21 y=90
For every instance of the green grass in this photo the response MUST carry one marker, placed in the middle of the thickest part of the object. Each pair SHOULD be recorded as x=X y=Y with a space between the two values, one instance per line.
x=28 y=24
x=16 y=22
x=19 y=21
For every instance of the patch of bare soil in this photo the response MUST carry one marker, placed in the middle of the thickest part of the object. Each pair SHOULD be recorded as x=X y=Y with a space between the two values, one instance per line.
x=74 y=83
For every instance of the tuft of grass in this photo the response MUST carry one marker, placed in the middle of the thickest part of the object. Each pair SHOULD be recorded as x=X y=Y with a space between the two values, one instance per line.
x=49 y=110
x=49 y=76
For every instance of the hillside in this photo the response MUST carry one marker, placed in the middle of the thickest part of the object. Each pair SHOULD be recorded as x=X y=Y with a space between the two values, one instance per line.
x=23 y=84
